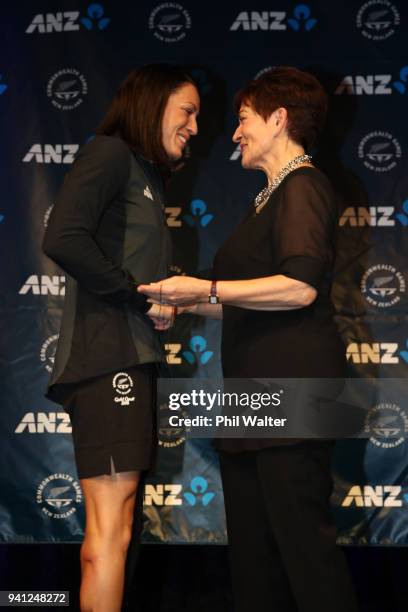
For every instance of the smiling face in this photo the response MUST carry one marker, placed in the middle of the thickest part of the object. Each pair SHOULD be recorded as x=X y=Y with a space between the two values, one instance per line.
x=255 y=135
x=180 y=120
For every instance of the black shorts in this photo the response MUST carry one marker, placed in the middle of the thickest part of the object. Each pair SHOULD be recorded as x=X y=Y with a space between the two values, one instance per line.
x=113 y=421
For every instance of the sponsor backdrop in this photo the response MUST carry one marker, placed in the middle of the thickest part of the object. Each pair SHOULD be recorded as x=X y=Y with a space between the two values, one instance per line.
x=60 y=65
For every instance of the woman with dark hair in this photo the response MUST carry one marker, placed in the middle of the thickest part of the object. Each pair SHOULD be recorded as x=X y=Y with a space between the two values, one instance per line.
x=108 y=232
x=271 y=285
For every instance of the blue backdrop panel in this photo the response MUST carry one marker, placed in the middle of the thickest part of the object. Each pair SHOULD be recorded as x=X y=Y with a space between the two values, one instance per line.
x=60 y=65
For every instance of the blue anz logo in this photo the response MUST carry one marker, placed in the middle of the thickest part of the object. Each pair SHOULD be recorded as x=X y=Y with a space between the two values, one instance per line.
x=2 y=217
x=375 y=352
x=173 y=495
x=197 y=353
x=163 y=495
x=374 y=216
x=378 y=496
x=95 y=18
x=3 y=86
x=404 y=353
x=199 y=215
x=403 y=216
x=373 y=84
x=252 y=21
x=69 y=21
x=198 y=494
x=302 y=19
x=401 y=85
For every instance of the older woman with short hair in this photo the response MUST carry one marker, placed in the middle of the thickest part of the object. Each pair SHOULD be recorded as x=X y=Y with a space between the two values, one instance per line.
x=271 y=285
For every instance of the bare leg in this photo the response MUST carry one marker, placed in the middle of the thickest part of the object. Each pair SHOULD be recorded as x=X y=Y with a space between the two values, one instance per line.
x=109 y=505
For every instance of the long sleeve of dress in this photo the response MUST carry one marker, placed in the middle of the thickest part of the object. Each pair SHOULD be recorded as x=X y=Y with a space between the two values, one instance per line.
x=99 y=174
x=304 y=230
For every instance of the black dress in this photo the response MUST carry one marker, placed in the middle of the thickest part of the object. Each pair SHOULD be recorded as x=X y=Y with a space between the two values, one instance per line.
x=277 y=495
x=293 y=235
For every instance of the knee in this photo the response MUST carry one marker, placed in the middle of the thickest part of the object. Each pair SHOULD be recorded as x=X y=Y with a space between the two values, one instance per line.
x=106 y=542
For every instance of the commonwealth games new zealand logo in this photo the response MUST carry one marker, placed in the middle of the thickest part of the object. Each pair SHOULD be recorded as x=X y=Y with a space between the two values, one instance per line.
x=123 y=385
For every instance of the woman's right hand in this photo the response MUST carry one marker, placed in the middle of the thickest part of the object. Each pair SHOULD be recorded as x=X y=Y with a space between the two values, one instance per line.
x=178 y=290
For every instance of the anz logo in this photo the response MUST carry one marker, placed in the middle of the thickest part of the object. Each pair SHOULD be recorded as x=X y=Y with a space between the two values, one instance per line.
x=69 y=21
x=197 y=217
x=44 y=422
x=377 y=352
x=198 y=494
x=378 y=496
x=197 y=353
x=43 y=285
x=173 y=495
x=172 y=353
x=373 y=84
x=300 y=19
x=374 y=216
x=52 y=154
x=163 y=495
x=172 y=216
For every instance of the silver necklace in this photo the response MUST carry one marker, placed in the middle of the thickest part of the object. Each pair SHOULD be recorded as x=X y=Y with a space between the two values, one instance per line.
x=292 y=165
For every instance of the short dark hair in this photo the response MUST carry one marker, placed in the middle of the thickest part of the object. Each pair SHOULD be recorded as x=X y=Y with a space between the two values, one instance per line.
x=299 y=92
x=136 y=111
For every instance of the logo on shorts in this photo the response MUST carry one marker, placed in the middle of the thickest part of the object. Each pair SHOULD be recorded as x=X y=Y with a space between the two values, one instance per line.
x=58 y=495
x=123 y=384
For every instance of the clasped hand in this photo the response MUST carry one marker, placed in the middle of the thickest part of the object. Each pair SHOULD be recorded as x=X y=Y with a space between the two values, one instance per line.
x=161 y=315
x=177 y=291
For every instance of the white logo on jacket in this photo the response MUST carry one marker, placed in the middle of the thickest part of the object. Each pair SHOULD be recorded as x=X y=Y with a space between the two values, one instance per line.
x=147 y=192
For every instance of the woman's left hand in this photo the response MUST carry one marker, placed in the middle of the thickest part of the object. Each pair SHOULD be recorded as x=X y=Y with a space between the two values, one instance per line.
x=161 y=316
x=177 y=290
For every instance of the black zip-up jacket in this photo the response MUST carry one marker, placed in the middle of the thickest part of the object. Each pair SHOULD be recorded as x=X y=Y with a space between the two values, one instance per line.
x=107 y=231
